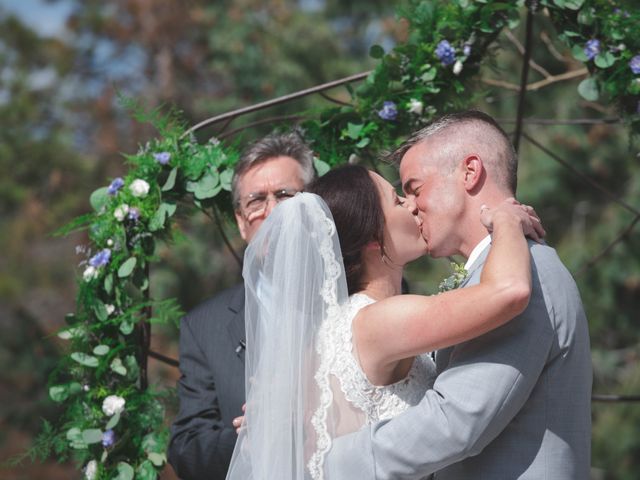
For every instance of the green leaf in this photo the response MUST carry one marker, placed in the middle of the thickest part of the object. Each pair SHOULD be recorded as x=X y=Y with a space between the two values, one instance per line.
x=158 y=459
x=101 y=350
x=363 y=143
x=108 y=283
x=101 y=311
x=573 y=4
x=72 y=332
x=146 y=471
x=74 y=435
x=225 y=179
x=605 y=60
x=429 y=75
x=125 y=471
x=586 y=16
x=207 y=187
x=84 y=359
x=126 y=327
x=588 y=89
x=99 y=198
x=320 y=166
x=113 y=421
x=376 y=51
x=354 y=130
x=127 y=267
x=59 y=393
x=91 y=435
x=118 y=367
x=165 y=211
x=171 y=180
x=578 y=53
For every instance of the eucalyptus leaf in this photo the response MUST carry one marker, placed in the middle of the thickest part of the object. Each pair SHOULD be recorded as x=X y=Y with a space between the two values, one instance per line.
x=146 y=471
x=113 y=421
x=605 y=60
x=226 y=178
x=105 y=454
x=92 y=435
x=101 y=350
x=74 y=435
x=118 y=367
x=125 y=471
x=101 y=311
x=588 y=89
x=59 y=393
x=171 y=180
x=84 y=359
x=127 y=267
x=108 y=283
x=99 y=198
x=320 y=166
x=354 y=130
x=126 y=327
x=158 y=459
x=578 y=53
x=586 y=16
x=573 y=4
x=363 y=143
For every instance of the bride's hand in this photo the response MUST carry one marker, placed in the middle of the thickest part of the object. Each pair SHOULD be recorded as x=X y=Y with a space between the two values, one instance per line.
x=512 y=209
x=239 y=421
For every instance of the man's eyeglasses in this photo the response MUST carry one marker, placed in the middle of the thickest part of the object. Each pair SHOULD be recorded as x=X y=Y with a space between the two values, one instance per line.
x=256 y=203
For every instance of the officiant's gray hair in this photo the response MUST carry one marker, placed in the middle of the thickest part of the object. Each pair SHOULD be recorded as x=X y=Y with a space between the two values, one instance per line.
x=274 y=145
x=462 y=132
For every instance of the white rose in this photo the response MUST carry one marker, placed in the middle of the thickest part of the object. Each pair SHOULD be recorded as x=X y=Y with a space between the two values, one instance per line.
x=110 y=243
x=113 y=404
x=139 y=188
x=121 y=212
x=90 y=470
x=110 y=309
x=415 y=106
x=89 y=273
x=457 y=67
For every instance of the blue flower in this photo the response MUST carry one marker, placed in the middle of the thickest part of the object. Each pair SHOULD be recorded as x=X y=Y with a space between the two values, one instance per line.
x=592 y=48
x=634 y=65
x=134 y=214
x=108 y=438
x=389 y=111
x=116 y=185
x=100 y=259
x=162 y=158
x=446 y=53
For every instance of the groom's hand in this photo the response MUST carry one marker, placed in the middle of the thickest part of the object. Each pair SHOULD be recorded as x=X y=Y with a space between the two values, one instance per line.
x=529 y=220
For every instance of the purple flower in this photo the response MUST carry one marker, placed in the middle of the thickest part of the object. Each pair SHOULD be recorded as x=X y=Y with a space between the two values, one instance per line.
x=100 y=259
x=162 y=158
x=108 y=438
x=466 y=50
x=634 y=65
x=134 y=214
x=592 y=48
x=389 y=111
x=446 y=53
x=116 y=185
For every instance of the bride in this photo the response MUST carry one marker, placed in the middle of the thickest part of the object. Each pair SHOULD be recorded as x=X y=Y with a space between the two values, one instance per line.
x=331 y=343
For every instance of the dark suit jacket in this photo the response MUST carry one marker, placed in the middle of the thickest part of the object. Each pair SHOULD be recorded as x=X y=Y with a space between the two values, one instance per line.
x=211 y=387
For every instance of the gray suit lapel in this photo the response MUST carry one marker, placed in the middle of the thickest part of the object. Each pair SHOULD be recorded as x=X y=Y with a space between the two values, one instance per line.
x=235 y=324
x=442 y=356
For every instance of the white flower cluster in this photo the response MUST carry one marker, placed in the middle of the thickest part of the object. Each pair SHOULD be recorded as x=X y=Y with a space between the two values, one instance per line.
x=139 y=188
x=90 y=470
x=113 y=404
x=121 y=212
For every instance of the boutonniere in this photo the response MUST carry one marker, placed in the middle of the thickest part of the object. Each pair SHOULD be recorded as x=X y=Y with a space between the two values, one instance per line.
x=455 y=279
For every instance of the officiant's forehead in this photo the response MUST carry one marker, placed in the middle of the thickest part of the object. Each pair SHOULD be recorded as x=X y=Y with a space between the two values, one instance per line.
x=277 y=172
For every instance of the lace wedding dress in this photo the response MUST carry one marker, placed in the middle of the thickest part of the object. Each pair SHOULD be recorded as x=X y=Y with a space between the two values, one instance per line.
x=303 y=382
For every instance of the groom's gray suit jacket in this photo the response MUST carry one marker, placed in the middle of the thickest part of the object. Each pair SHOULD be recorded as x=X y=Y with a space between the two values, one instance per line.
x=514 y=403
x=211 y=388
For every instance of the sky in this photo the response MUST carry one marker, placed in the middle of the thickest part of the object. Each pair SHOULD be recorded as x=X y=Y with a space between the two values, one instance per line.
x=46 y=17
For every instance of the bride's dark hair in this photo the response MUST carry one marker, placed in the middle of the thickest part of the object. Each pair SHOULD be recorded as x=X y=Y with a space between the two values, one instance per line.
x=354 y=201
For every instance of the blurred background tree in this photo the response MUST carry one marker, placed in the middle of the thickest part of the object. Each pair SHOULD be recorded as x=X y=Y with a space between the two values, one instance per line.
x=62 y=132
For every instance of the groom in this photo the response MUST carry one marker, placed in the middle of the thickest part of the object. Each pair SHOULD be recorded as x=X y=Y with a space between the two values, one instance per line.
x=515 y=402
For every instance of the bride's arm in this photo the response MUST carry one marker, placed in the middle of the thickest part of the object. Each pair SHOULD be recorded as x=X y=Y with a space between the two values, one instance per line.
x=407 y=325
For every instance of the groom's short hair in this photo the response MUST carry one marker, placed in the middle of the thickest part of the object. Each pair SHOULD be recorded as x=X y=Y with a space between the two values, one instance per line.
x=463 y=131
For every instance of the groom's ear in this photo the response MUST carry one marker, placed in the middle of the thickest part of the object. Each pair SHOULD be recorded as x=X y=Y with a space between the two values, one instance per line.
x=473 y=171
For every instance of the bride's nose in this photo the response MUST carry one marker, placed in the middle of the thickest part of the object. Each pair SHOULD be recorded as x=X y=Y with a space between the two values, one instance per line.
x=410 y=204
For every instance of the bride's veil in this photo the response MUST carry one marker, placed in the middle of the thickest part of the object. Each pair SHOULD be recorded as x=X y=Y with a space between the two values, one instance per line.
x=295 y=281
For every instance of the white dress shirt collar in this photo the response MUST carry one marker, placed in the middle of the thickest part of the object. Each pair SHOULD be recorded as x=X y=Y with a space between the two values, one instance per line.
x=475 y=253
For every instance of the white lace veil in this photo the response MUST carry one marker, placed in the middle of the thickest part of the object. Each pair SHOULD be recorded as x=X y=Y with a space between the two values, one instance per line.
x=295 y=281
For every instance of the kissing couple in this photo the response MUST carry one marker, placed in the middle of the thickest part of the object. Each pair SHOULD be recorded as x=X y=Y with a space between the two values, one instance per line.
x=339 y=380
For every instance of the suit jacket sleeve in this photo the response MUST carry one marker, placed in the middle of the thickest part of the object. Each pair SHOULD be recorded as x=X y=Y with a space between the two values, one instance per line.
x=485 y=384
x=201 y=445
